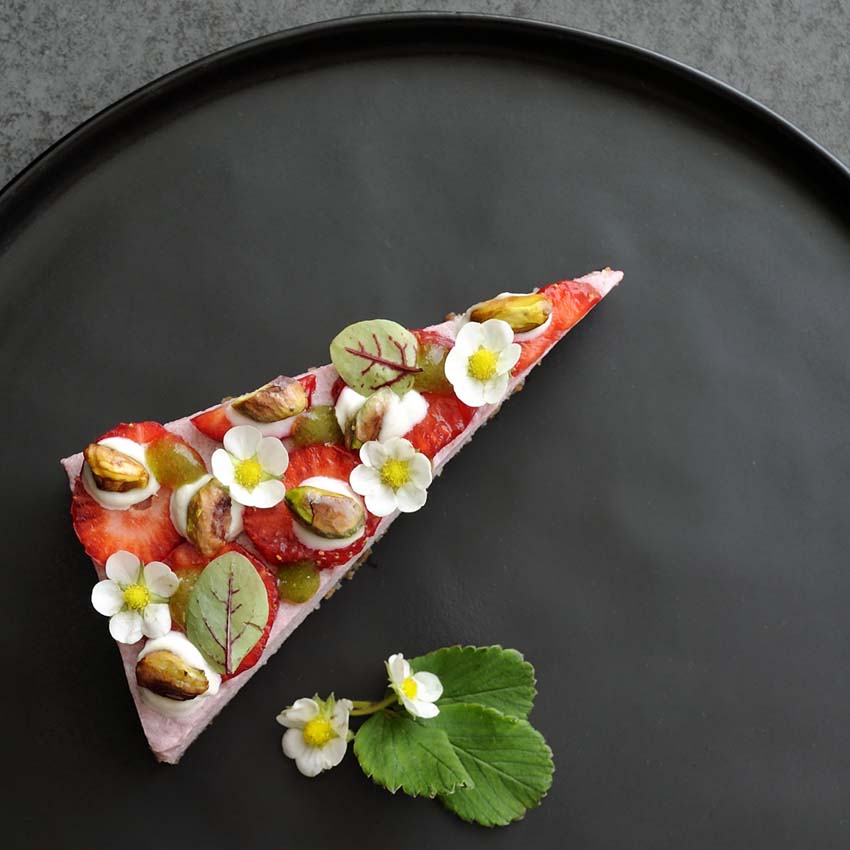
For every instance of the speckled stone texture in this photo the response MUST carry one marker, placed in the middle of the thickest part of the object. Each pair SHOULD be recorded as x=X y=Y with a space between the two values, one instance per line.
x=61 y=61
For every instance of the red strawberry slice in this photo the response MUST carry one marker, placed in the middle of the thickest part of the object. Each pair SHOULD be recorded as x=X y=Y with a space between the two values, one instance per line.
x=271 y=530
x=427 y=337
x=338 y=386
x=447 y=417
x=185 y=558
x=215 y=424
x=144 y=529
x=138 y=432
x=188 y=562
x=571 y=301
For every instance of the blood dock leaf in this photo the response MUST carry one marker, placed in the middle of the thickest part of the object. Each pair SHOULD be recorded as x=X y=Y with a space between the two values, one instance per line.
x=375 y=354
x=227 y=611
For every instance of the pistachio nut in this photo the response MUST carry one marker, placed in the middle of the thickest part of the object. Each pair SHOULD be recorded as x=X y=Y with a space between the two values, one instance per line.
x=114 y=471
x=522 y=312
x=168 y=675
x=282 y=399
x=208 y=517
x=326 y=513
x=366 y=424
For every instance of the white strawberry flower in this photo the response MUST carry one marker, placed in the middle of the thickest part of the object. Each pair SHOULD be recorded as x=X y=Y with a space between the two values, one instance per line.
x=479 y=365
x=392 y=476
x=418 y=693
x=135 y=597
x=250 y=466
x=317 y=733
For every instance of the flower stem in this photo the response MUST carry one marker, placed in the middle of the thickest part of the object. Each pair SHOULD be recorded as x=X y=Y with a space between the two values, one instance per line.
x=364 y=707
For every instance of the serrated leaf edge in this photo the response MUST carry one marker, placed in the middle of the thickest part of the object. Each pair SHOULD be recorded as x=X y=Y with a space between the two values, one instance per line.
x=551 y=758
x=410 y=793
x=482 y=649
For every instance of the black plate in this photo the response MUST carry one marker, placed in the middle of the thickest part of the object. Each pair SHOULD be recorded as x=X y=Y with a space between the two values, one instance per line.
x=658 y=522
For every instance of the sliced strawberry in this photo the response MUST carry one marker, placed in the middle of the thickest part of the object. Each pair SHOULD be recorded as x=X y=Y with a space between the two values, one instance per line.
x=188 y=563
x=571 y=301
x=447 y=417
x=144 y=529
x=338 y=386
x=427 y=337
x=308 y=381
x=215 y=424
x=271 y=529
x=139 y=432
x=186 y=558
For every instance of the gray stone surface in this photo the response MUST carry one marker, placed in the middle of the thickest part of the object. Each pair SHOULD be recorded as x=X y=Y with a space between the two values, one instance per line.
x=63 y=60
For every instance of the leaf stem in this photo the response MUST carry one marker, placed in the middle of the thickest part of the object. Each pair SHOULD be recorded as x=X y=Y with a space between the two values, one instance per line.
x=364 y=707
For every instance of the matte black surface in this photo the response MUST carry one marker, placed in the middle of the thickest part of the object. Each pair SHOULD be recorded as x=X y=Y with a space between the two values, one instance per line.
x=658 y=521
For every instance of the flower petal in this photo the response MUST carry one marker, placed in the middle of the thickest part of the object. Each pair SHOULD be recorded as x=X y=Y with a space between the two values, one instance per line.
x=397 y=668
x=365 y=480
x=508 y=358
x=334 y=751
x=243 y=441
x=496 y=334
x=107 y=598
x=293 y=743
x=410 y=498
x=420 y=470
x=312 y=761
x=373 y=454
x=382 y=502
x=430 y=688
x=222 y=467
x=424 y=709
x=126 y=627
x=273 y=456
x=160 y=580
x=339 y=716
x=298 y=713
x=469 y=338
x=409 y=704
x=456 y=366
x=241 y=495
x=268 y=494
x=399 y=448
x=469 y=391
x=156 y=620
x=123 y=568
x=494 y=389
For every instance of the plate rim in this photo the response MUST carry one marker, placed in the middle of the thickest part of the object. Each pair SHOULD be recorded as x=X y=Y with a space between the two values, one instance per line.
x=53 y=157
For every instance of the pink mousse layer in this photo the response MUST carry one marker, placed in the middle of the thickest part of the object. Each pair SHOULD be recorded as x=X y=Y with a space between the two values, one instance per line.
x=169 y=737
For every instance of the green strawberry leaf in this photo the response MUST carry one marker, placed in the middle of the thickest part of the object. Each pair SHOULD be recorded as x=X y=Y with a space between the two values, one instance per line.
x=397 y=751
x=482 y=675
x=227 y=611
x=509 y=762
x=375 y=354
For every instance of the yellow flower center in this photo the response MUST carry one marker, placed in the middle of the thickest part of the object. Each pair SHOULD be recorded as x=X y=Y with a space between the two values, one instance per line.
x=318 y=731
x=482 y=364
x=248 y=473
x=137 y=597
x=395 y=473
x=409 y=687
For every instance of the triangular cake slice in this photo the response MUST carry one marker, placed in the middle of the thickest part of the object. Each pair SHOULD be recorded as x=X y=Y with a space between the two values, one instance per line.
x=363 y=438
